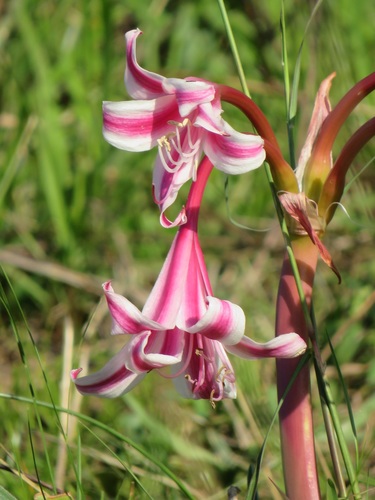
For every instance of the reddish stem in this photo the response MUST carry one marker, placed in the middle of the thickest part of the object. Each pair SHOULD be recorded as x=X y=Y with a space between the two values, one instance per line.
x=319 y=164
x=296 y=424
x=196 y=193
x=334 y=185
x=282 y=172
x=251 y=110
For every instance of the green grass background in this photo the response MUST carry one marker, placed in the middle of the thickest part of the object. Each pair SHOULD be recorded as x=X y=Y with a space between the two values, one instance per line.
x=75 y=212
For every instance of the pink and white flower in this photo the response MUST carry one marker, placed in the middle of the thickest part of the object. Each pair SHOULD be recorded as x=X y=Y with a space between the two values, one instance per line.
x=182 y=326
x=182 y=117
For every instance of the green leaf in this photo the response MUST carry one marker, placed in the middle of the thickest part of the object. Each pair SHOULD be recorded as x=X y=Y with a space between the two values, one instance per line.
x=331 y=490
x=5 y=495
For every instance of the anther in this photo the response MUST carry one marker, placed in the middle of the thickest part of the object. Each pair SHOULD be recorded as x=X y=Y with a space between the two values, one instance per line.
x=213 y=404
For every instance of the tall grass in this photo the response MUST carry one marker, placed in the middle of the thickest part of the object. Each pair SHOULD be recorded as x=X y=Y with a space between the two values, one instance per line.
x=74 y=212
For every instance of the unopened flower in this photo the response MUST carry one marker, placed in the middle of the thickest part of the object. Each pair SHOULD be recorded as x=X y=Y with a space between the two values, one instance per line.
x=182 y=117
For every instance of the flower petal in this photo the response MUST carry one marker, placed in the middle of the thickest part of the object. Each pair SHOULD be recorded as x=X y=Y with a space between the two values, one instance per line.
x=322 y=108
x=288 y=345
x=150 y=351
x=223 y=321
x=166 y=184
x=209 y=118
x=126 y=317
x=137 y=125
x=189 y=94
x=140 y=83
x=209 y=374
x=111 y=381
x=234 y=153
x=178 y=221
x=164 y=301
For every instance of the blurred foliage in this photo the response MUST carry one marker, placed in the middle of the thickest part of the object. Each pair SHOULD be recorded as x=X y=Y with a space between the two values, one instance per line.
x=74 y=212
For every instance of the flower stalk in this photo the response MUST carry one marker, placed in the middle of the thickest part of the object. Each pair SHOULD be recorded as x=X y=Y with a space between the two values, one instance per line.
x=296 y=423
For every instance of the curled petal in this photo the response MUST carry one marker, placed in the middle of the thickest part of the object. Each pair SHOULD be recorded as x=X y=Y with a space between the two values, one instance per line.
x=234 y=153
x=126 y=317
x=209 y=118
x=137 y=125
x=150 y=351
x=140 y=83
x=111 y=381
x=166 y=186
x=189 y=94
x=223 y=321
x=178 y=221
x=288 y=345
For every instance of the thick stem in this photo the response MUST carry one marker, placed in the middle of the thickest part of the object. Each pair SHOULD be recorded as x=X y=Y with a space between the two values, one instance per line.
x=296 y=424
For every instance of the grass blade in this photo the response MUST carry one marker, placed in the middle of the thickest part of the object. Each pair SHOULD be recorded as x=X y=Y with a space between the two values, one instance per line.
x=109 y=430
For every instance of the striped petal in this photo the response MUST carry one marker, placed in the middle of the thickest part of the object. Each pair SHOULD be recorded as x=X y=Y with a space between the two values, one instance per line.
x=164 y=301
x=137 y=125
x=113 y=380
x=149 y=351
x=126 y=317
x=167 y=183
x=140 y=83
x=189 y=94
x=288 y=345
x=233 y=152
x=223 y=321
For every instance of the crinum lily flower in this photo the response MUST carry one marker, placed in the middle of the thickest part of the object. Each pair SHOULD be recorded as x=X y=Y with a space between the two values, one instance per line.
x=182 y=117
x=182 y=326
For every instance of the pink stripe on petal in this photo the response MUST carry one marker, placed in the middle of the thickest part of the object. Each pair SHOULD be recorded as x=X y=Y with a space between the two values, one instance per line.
x=140 y=83
x=154 y=350
x=111 y=381
x=209 y=118
x=167 y=184
x=190 y=94
x=223 y=321
x=137 y=125
x=127 y=317
x=288 y=345
x=165 y=298
x=234 y=153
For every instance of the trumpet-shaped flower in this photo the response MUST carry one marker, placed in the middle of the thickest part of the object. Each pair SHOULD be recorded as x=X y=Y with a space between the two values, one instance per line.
x=182 y=117
x=182 y=327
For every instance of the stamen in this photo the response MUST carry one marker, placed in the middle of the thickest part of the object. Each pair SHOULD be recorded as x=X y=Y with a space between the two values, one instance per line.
x=199 y=352
x=212 y=400
x=184 y=146
x=223 y=370
x=164 y=161
x=191 y=380
x=163 y=142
